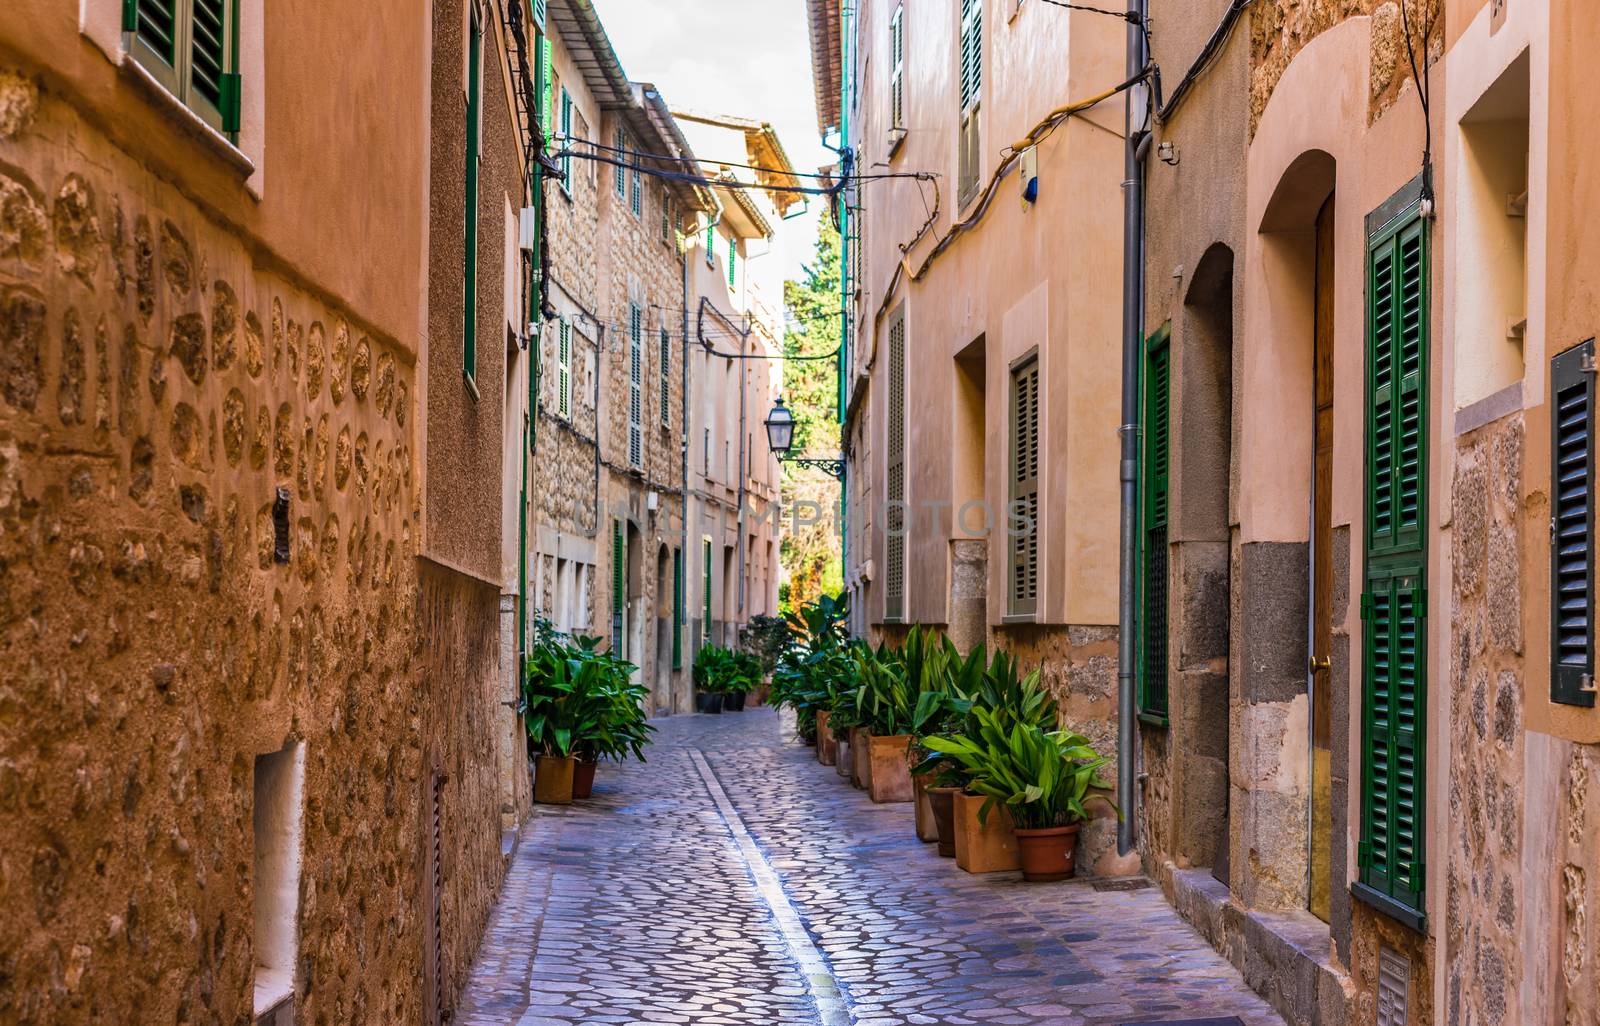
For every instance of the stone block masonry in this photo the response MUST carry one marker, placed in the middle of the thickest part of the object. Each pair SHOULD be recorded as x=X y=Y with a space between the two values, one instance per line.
x=161 y=378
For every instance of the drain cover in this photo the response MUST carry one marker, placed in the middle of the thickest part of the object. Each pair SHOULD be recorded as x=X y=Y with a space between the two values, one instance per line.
x=1128 y=883
x=1221 y=1020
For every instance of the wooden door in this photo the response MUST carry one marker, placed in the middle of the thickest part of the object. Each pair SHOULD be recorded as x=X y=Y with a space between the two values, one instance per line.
x=1321 y=646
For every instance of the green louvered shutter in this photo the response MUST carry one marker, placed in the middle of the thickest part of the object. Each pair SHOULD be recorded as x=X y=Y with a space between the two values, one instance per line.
x=677 y=609
x=733 y=260
x=619 y=584
x=1394 y=606
x=619 y=173
x=1153 y=529
x=566 y=138
x=897 y=76
x=1022 y=519
x=666 y=379
x=547 y=91
x=192 y=48
x=564 y=368
x=635 y=385
x=213 y=42
x=1572 y=392
x=971 y=53
x=894 y=586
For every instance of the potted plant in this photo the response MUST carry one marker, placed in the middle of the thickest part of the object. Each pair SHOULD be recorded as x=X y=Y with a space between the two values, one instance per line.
x=1040 y=779
x=553 y=713
x=706 y=674
x=738 y=677
x=618 y=726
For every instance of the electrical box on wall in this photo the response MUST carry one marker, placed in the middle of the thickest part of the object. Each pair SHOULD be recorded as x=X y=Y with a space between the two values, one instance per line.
x=528 y=229
x=1028 y=165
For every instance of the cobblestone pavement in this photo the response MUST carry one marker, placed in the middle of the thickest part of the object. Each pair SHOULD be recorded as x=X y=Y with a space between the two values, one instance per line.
x=731 y=879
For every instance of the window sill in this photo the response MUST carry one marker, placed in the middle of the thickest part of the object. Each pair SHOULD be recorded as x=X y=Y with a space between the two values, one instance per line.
x=1013 y=619
x=186 y=119
x=1402 y=914
x=274 y=997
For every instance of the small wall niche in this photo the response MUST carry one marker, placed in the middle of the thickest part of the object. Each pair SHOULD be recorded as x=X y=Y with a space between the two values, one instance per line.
x=1491 y=308
x=278 y=783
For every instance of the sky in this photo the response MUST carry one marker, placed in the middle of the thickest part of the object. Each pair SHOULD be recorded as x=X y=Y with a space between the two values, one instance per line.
x=750 y=58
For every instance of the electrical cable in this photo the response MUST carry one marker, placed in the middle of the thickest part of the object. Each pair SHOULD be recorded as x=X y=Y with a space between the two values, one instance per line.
x=730 y=183
x=1202 y=63
x=1010 y=156
x=1127 y=16
x=645 y=155
x=1421 y=80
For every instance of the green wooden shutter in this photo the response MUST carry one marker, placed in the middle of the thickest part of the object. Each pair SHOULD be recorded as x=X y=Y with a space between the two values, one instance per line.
x=469 y=275
x=894 y=587
x=635 y=385
x=971 y=73
x=1572 y=388
x=566 y=138
x=211 y=71
x=619 y=176
x=1390 y=855
x=733 y=260
x=666 y=379
x=619 y=585
x=1156 y=408
x=1022 y=519
x=677 y=609
x=897 y=55
x=564 y=368
x=154 y=25
x=547 y=90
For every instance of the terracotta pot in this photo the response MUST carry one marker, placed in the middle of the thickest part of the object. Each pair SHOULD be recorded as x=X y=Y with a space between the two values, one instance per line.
x=889 y=775
x=927 y=830
x=552 y=779
x=844 y=758
x=583 y=778
x=1049 y=854
x=984 y=847
x=943 y=802
x=827 y=747
x=860 y=758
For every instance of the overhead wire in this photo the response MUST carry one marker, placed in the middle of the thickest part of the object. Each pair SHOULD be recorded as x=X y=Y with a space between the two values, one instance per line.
x=1421 y=80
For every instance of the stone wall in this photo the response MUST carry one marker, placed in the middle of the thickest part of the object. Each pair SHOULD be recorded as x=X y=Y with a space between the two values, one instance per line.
x=1078 y=664
x=458 y=714
x=160 y=378
x=1280 y=29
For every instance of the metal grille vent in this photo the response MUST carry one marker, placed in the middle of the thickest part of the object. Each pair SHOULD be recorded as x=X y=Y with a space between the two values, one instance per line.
x=1394 y=984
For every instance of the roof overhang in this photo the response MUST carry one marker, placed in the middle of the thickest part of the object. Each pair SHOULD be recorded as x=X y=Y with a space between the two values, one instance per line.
x=763 y=149
x=826 y=61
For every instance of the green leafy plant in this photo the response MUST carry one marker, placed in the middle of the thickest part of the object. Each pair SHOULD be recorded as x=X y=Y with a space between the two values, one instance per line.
x=724 y=671
x=1044 y=778
x=578 y=700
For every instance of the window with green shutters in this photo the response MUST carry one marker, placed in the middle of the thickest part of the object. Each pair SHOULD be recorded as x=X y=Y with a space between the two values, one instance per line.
x=564 y=367
x=619 y=585
x=1022 y=515
x=1155 y=408
x=635 y=385
x=705 y=590
x=666 y=379
x=619 y=179
x=897 y=76
x=566 y=139
x=192 y=48
x=1572 y=391
x=474 y=158
x=1390 y=855
x=733 y=262
x=894 y=587
x=677 y=609
x=971 y=91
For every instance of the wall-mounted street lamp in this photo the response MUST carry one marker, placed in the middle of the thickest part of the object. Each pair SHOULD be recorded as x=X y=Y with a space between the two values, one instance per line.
x=780 y=436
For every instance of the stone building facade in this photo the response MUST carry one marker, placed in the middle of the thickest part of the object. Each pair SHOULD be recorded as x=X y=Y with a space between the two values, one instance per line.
x=1370 y=784
x=610 y=554
x=980 y=370
x=735 y=331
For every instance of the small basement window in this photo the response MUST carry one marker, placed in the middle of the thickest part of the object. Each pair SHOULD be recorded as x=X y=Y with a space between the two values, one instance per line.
x=278 y=781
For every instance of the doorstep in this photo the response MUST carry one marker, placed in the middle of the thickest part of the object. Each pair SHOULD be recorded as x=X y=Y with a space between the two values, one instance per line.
x=1286 y=957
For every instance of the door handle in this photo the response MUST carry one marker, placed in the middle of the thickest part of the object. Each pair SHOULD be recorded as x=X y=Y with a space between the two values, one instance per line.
x=1325 y=663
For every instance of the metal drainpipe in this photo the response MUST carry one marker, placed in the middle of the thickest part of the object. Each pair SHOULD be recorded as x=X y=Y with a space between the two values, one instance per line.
x=1132 y=336
x=682 y=585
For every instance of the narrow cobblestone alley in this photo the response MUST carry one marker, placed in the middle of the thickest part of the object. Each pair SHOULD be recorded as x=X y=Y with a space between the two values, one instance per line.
x=732 y=879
